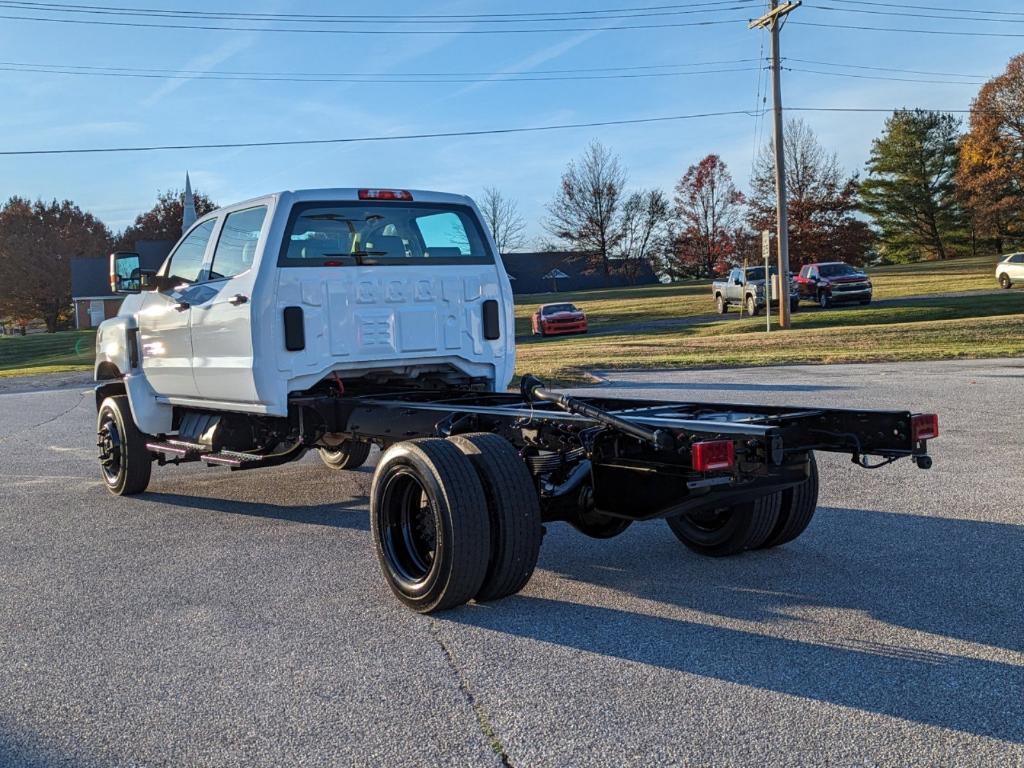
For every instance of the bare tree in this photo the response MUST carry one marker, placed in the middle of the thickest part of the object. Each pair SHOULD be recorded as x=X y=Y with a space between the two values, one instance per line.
x=823 y=225
x=708 y=208
x=644 y=227
x=585 y=213
x=501 y=214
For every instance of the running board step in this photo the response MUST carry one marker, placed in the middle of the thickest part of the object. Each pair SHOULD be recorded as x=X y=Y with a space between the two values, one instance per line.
x=178 y=449
x=233 y=459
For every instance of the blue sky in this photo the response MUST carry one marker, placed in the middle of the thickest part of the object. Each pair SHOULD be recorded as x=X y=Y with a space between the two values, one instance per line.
x=51 y=110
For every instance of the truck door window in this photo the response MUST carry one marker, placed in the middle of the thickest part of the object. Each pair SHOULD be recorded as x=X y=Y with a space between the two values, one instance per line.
x=185 y=263
x=236 y=245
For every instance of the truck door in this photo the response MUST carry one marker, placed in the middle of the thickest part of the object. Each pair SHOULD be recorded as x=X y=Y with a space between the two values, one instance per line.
x=165 y=317
x=222 y=341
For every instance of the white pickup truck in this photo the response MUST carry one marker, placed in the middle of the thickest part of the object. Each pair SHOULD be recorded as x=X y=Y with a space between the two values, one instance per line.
x=337 y=319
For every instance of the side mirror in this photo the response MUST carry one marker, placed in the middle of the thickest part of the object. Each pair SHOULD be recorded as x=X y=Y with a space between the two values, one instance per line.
x=125 y=272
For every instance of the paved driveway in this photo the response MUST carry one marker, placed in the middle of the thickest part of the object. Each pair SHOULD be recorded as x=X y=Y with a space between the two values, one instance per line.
x=239 y=619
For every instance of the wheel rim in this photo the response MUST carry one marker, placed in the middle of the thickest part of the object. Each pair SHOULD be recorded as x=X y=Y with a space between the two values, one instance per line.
x=111 y=450
x=1004 y=281
x=408 y=529
x=709 y=527
x=823 y=300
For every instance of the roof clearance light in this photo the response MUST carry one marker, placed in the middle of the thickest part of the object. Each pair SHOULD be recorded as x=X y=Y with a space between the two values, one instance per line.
x=713 y=455
x=385 y=194
x=924 y=426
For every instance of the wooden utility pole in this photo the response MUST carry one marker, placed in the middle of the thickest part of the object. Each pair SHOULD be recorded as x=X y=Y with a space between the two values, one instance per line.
x=772 y=21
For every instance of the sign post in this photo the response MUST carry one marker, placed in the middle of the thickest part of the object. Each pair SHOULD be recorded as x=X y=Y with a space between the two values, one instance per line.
x=766 y=252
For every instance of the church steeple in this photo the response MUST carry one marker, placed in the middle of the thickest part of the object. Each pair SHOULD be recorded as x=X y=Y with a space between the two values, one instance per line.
x=188 y=217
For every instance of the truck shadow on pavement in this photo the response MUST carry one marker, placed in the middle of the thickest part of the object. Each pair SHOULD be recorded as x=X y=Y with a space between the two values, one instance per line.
x=351 y=514
x=956 y=579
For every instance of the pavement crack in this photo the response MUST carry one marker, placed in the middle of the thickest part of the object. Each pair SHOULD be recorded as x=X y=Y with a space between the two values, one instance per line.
x=483 y=722
x=52 y=419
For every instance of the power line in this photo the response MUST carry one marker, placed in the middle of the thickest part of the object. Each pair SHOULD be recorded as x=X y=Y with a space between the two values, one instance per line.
x=309 y=30
x=361 y=139
x=885 y=69
x=678 y=10
x=885 y=77
x=947 y=17
x=258 y=73
x=927 y=7
x=496 y=77
x=864 y=28
x=652 y=10
x=451 y=134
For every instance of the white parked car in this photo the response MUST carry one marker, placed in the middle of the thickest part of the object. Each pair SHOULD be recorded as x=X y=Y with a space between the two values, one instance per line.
x=1010 y=270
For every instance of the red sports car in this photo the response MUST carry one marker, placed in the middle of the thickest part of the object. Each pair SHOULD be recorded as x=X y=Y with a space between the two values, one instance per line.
x=554 y=319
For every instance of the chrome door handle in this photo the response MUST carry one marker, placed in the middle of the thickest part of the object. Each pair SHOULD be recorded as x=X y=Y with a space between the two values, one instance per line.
x=238 y=299
x=181 y=306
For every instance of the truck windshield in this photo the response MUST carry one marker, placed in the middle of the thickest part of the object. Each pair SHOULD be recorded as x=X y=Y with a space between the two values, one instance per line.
x=339 y=233
x=837 y=270
x=757 y=273
x=554 y=309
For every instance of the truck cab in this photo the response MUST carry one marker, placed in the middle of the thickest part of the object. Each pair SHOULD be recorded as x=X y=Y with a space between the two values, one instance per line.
x=273 y=295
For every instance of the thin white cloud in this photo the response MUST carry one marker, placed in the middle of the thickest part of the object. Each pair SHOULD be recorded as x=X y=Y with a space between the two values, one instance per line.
x=203 y=63
x=533 y=60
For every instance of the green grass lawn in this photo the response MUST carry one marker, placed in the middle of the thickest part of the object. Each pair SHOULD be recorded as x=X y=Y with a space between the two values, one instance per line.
x=47 y=353
x=569 y=359
x=980 y=325
x=692 y=298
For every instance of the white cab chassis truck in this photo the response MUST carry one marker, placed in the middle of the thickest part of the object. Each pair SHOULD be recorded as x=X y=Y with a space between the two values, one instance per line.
x=336 y=319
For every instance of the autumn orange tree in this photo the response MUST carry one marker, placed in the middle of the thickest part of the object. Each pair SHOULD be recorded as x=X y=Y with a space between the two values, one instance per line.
x=163 y=220
x=37 y=243
x=708 y=209
x=991 y=170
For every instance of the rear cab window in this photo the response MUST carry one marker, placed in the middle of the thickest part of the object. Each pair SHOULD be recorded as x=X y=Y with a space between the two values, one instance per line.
x=370 y=233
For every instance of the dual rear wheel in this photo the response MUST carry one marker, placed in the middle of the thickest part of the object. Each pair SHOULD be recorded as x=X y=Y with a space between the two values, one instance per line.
x=454 y=520
x=766 y=521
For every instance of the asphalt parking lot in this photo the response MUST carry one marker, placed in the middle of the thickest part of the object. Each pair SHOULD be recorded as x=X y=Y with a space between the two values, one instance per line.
x=239 y=619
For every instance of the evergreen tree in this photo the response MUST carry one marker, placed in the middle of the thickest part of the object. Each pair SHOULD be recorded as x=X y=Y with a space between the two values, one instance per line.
x=910 y=190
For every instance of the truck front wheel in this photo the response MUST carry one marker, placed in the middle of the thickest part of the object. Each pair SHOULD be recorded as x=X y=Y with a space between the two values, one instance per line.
x=514 y=512
x=349 y=454
x=751 y=306
x=431 y=531
x=125 y=463
x=728 y=530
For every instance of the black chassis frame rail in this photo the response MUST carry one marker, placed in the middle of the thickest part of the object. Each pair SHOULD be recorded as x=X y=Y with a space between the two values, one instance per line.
x=631 y=477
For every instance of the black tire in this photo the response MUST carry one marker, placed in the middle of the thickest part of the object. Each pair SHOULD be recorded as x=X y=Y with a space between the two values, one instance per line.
x=751 y=306
x=824 y=300
x=728 y=530
x=514 y=511
x=428 y=515
x=125 y=464
x=350 y=454
x=796 y=509
x=721 y=305
x=1005 y=281
x=794 y=305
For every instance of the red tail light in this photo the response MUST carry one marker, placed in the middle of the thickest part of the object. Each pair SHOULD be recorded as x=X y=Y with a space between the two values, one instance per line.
x=924 y=426
x=385 y=194
x=713 y=455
